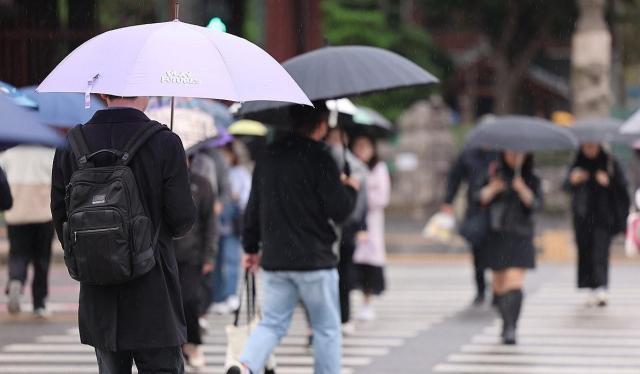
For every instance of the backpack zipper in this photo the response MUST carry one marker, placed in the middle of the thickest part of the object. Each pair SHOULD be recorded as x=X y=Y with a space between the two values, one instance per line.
x=92 y=231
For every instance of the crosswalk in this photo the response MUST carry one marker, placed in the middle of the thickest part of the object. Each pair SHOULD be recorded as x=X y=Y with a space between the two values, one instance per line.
x=406 y=310
x=559 y=334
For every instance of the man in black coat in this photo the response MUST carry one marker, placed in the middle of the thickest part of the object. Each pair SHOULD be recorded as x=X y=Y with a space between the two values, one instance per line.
x=472 y=166
x=297 y=198
x=141 y=320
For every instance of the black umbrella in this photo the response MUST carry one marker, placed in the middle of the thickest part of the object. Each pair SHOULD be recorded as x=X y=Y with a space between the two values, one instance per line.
x=337 y=72
x=596 y=130
x=521 y=134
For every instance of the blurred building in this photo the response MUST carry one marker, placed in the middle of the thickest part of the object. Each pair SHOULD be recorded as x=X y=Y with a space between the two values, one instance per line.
x=545 y=89
x=35 y=35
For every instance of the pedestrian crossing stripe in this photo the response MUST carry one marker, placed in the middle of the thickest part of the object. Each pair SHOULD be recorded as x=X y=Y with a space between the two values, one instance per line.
x=559 y=334
x=401 y=315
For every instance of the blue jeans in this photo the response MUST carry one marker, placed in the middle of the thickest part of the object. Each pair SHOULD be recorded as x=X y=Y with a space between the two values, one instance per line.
x=282 y=290
x=227 y=267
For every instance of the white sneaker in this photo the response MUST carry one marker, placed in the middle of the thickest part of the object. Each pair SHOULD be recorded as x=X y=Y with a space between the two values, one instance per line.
x=348 y=328
x=592 y=299
x=195 y=357
x=366 y=314
x=233 y=303
x=203 y=323
x=42 y=313
x=221 y=308
x=15 y=294
x=602 y=297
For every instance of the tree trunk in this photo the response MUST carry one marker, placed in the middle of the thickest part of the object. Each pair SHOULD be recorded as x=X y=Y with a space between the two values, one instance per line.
x=503 y=86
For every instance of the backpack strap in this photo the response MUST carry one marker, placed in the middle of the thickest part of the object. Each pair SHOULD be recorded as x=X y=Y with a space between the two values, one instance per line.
x=79 y=147
x=138 y=140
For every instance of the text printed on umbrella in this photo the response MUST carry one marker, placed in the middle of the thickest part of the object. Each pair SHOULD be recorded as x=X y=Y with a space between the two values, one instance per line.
x=174 y=77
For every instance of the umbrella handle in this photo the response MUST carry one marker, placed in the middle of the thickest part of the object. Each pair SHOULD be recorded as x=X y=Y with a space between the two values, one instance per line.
x=173 y=106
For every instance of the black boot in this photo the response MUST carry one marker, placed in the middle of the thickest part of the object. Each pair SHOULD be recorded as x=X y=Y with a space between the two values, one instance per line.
x=509 y=305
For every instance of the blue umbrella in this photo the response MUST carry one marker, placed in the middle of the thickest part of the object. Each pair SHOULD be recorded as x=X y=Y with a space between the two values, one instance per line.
x=17 y=96
x=20 y=126
x=64 y=109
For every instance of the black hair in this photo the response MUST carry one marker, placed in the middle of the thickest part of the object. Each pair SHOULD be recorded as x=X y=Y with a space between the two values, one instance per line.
x=526 y=170
x=306 y=119
x=375 y=159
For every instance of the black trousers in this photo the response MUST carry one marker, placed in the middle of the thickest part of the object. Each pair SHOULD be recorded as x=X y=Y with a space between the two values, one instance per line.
x=167 y=360
x=479 y=269
x=191 y=279
x=345 y=273
x=31 y=243
x=593 y=256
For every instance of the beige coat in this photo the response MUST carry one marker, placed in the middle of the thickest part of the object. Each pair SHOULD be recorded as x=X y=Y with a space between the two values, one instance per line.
x=28 y=170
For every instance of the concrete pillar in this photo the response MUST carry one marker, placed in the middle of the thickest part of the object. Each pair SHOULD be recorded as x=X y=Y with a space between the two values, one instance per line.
x=591 y=62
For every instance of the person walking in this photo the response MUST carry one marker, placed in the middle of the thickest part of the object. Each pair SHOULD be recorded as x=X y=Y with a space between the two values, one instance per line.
x=195 y=254
x=370 y=254
x=226 y=275
x=600 y=204
x=512 y=195
x=297 y=198
x=355 y=226
x=29 y=224
x=142 y=320
x=472 y=166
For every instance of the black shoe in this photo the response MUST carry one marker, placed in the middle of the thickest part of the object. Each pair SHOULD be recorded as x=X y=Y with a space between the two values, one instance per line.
x=310 y=341
x=479 y=300
x=509 y=336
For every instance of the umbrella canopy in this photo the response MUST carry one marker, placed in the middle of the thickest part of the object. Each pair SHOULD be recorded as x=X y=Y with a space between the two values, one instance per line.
x=344 y=71
x=17 y=96
x=595 y=130
x=359 y=119
x=21 y=126
x=193 y=126
x=247 y=127
x=62 y=109
x=371 y=117
x=173 y=59
x=521 y=134
x=631 y=125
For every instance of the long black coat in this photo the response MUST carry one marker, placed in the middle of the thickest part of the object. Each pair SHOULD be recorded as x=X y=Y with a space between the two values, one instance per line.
x=146 y=312
x=595 y=205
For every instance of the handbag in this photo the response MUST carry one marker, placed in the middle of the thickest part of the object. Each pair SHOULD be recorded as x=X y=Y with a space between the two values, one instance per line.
x=475 y=227
x=237 y=334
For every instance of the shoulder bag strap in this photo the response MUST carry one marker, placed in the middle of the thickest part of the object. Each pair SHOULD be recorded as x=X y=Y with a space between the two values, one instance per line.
x=138 y=139
x=79 y=146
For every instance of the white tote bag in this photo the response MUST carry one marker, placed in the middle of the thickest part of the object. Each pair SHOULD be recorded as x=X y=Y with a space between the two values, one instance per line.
x=238 y=334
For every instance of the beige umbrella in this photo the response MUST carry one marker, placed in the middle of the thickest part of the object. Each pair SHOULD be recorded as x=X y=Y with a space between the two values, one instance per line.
x=191 y=125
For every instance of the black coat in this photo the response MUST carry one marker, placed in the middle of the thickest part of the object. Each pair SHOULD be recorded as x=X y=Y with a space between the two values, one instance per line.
x=512 y=226
x=146 y=312
x=595 y=205
x=199 y=245
x=6 y=199
x=472 y=166
x=296 y=194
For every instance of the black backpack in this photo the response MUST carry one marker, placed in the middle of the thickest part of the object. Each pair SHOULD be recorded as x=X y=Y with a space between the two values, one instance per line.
x=107 y=236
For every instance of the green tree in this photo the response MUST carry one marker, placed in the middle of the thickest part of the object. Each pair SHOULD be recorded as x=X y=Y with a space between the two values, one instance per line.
x=377 y=23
